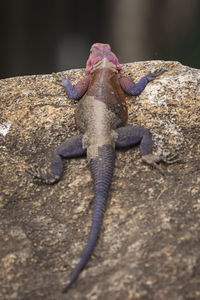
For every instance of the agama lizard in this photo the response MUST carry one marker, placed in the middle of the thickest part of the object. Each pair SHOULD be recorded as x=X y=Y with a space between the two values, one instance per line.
x=101 y=116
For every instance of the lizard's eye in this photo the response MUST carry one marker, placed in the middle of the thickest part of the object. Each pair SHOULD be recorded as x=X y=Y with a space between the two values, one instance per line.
x=107 y=46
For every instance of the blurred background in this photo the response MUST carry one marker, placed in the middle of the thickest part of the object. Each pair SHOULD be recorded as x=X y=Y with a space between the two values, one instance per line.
x=45 y=36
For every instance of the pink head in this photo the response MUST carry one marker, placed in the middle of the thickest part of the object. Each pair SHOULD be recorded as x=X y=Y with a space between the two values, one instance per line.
x=98 y=52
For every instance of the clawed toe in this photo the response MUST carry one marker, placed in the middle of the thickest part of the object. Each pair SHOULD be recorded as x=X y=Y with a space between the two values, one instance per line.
x=156 y=73
x=33 y=171
x=159 y=72
x=170 y=158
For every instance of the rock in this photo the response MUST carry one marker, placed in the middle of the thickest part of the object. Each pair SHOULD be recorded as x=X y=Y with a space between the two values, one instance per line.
x=149 y=245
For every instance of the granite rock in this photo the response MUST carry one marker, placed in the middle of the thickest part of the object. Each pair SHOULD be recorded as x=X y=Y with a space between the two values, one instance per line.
x=149 y=245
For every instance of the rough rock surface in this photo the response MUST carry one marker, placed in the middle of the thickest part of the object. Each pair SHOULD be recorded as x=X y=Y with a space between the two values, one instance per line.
x=150 y=240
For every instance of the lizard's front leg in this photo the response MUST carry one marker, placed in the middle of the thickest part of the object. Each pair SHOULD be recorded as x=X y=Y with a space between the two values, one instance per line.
x=128 y=85
x=131 y=135
x=78 y=90
x=72 y=147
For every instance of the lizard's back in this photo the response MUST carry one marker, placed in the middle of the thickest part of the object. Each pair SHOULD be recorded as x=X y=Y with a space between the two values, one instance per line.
x=101 y=109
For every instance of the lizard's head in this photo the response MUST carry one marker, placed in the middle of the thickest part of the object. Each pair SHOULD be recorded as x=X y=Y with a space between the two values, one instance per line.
x=98 y=52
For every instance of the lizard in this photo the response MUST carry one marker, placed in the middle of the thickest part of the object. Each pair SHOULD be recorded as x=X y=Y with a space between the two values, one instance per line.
x=101 y=117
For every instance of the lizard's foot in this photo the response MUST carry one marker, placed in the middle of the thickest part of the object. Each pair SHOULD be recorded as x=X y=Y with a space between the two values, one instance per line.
x=153 y=160
x=43 y=175
x=156 y=73
x=169 y=158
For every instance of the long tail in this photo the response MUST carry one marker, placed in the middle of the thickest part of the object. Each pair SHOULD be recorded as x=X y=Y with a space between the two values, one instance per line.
x=101 y=170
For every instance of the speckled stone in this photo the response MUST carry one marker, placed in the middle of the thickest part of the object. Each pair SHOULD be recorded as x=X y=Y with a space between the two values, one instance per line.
x=149 y=246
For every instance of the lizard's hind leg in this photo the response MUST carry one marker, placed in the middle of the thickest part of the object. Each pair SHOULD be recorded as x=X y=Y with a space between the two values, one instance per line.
x=72 y=147
x=131 y=135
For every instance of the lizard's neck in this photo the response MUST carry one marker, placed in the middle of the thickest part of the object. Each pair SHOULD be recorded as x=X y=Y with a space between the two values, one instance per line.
x=104 y=63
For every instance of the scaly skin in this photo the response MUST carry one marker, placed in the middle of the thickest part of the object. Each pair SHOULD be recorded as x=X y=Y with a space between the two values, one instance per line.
x=101 y=116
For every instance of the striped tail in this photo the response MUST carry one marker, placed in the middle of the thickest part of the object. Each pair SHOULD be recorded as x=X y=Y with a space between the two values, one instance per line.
x=101 y=170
